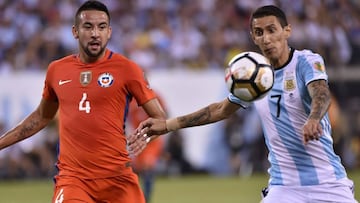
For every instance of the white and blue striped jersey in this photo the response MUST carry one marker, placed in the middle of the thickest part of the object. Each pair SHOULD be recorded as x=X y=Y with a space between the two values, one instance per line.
x=283 y=113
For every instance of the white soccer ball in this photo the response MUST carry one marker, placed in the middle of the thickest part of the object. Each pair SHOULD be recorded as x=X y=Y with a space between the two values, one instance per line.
x=249 y=76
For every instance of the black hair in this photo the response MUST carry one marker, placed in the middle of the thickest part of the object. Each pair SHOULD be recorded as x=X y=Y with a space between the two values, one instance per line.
x=91 y=5
x=269 y=10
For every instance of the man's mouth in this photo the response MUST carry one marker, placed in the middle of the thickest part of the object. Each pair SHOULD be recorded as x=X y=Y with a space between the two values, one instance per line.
x=268 y=50
x=94 y=45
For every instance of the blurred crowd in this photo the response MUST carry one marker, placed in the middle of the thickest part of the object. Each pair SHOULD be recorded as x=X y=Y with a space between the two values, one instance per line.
x=174 y=33
x=168 y=34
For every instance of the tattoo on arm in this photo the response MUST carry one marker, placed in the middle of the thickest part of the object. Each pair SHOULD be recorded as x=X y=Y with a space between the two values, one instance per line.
x=27 y=130
x=32 y=124
x=200 y=117
x=320 y=94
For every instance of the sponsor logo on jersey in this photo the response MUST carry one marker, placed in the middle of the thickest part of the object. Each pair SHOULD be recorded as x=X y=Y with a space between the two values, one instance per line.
x=105 y=80
x=62 y=82
x=85 y=78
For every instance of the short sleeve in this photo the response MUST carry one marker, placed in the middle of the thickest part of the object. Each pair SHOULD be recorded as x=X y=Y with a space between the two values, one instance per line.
x=139 y=86
x=48 y=91
x=313 y=68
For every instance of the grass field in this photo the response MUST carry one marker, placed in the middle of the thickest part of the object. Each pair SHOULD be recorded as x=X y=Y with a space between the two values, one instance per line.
x=187 y=189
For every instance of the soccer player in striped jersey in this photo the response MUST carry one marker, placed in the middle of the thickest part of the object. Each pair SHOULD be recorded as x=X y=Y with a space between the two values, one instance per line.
x=297 y=130
x=92 y=91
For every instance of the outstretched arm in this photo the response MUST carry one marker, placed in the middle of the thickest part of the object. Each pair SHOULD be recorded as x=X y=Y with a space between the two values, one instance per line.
x=32 y=124
x=213 y=113
x=320 y=94
x=150 y=127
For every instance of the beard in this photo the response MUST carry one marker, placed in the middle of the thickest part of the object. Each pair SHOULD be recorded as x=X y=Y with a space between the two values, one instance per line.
x=94 y=54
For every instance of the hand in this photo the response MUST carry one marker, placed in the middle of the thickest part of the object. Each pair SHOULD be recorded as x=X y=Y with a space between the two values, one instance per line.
x=312 y=130
x=137 y=142
x=146 y=131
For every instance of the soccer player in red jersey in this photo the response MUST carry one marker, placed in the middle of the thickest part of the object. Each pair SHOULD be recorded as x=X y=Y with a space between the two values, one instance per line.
x=91 y=91
x=145 y=163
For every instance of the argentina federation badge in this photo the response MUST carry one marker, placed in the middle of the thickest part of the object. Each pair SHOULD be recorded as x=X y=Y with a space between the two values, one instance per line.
x=289 y=81
x=105 y=80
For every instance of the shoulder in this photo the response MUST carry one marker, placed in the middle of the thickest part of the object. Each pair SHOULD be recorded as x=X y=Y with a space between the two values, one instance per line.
x=117 y=57
x=124 y=64
x=311 y=65
x=308 y=55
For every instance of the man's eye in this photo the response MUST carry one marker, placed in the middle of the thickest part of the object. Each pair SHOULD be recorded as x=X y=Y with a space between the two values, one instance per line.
x=103 y=26
x=258 y=33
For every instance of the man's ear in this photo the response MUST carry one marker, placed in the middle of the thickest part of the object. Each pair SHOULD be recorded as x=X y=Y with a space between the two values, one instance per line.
x=75 y=32
x=253 y=37
x=287 y=30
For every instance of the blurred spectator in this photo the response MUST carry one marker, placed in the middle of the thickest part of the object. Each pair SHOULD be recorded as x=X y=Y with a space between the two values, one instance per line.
x=168 y=34
x=176 y=163
x=243 y=134
x=352 y=156
x=145 y=164
x=341 y=134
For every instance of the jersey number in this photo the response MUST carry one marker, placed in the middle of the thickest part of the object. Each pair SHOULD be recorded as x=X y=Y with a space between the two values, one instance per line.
x=83 y=104
x=278 y=97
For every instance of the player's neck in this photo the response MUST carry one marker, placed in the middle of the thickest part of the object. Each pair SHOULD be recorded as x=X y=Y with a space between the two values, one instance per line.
x=86 y=59
x=283 y=59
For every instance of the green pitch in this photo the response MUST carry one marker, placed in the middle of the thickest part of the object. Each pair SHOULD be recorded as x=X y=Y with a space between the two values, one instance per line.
x=189 y=189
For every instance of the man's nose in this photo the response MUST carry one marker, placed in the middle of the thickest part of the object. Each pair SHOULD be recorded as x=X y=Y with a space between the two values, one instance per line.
x=266 y=38
x=95 y=32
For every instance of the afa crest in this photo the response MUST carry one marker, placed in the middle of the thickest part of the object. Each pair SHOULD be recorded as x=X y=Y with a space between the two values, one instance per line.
x=289 y=85
x=289 y=81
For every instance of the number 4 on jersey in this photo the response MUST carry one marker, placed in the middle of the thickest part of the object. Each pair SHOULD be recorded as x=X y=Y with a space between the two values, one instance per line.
x=83 y=104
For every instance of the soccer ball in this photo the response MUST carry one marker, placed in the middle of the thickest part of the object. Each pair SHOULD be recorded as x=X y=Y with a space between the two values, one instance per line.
x=249 y=76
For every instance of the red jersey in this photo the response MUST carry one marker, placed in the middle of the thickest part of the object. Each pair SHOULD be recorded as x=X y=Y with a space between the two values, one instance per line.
x=148 y=158
x=93 y=104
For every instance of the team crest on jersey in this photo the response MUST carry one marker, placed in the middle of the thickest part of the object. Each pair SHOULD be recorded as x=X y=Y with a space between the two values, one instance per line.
x=289 y=81
x=289 y=85
x=85 y=78
x=319 y=66
x=105 y=80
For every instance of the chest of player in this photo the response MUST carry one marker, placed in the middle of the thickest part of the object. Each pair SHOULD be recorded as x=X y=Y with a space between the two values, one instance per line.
x=96 y=84
x=287 y=95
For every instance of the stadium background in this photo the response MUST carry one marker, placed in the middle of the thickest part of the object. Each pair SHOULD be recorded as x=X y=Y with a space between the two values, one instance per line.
x=183 y=45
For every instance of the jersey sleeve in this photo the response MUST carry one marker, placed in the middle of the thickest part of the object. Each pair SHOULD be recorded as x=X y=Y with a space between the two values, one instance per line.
x=139 y=86
x=48 y=91
x=233 y=99
x=313 y=68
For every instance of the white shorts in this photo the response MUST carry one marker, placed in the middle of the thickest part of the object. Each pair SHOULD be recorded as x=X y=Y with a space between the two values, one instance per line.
x=340 y=192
